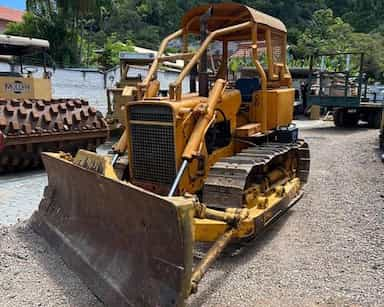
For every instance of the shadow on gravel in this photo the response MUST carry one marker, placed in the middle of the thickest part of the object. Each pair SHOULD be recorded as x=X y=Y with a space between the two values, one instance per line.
x=247 y=250
x=236 y=254
x=380 y=154
x=335 y=131
x=65 y=281
x=198 y=299
x=75 y=291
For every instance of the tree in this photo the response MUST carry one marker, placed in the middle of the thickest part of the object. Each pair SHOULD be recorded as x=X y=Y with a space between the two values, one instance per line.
x=70 y=16
x=364 y=16
x=316 y=25
x=52 y=29
x=109 y=56
x=329 y=34
x=372 y=46
x=325 y=33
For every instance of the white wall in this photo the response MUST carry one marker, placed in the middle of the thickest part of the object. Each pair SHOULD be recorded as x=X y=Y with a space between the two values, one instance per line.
x=68 y=83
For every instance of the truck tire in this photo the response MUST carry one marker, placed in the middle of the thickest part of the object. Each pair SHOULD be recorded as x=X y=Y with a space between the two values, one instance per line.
x=351 y=119
x=374 y=119
x=338 y=118
x=342 y=118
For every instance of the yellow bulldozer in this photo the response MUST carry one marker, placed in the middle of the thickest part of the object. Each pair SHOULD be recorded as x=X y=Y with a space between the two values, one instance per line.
x=217 y=164
x=116 y=101
x=30 y=120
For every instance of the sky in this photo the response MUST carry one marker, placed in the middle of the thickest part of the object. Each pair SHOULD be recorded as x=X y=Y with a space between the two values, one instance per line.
x=16 y=4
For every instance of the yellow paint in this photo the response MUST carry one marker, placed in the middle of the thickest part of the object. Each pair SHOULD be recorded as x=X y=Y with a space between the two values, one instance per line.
x=25 y=88
x=274 y=111
x=95 y=162
x=208 y=230
x=280 y=107
x=271 y=107
x=121 y=97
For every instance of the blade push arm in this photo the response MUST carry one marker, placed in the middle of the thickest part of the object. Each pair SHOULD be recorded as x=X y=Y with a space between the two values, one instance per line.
x=207 y=112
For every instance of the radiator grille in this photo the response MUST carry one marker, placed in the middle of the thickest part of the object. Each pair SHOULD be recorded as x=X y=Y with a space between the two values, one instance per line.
x=153 y=150
x=151 y=113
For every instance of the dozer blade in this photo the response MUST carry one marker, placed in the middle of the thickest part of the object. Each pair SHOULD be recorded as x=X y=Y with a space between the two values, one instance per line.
x=131 y=247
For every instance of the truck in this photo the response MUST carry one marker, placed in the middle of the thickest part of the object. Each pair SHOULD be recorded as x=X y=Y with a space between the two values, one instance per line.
x=338 y=83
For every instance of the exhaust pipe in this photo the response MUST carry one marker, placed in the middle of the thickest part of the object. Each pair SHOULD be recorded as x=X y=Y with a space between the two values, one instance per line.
x=203 y=66
x=203 y=86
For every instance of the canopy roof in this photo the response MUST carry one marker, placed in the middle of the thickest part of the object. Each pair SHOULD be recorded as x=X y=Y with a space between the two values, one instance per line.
x=135 y=58
x=228 y=14
x=17 y=45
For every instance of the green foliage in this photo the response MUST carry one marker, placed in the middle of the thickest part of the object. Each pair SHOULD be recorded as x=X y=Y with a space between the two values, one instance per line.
x=236 y=63
x=110 y=55
x=62 y=23
x=325 y=33
x=76 y=28
x=372 y=46
x=364 y=16
x=62 y=47
x=329 y=34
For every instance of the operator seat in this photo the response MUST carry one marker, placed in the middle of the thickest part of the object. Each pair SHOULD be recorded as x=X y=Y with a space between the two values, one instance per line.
x=247 y=86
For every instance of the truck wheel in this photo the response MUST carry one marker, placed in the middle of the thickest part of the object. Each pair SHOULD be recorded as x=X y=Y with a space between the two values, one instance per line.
x=351 y=120
x=374 y=119
x=338 y=118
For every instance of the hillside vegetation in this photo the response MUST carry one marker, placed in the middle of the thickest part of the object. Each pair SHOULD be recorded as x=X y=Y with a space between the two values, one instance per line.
x=76 y=29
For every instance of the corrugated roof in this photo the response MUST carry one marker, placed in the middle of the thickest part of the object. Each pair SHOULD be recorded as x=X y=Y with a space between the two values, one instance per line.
x=9 y=14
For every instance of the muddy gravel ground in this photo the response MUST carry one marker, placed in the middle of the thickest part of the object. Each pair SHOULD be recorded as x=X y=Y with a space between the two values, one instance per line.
x=328 y=250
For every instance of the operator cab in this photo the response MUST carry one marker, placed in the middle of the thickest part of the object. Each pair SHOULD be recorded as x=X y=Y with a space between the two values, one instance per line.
x=232 y=36
x=14 y=50
x=18 y=80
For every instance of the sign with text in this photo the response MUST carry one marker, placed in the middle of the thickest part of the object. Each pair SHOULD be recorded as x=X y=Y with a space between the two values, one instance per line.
x=17 y=87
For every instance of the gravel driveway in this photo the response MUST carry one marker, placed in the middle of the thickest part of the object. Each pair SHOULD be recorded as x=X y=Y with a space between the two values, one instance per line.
x=326 y=251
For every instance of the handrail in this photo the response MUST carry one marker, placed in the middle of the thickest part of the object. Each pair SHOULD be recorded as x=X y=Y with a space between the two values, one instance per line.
x=174 y=88
x=255 y=60
x=156 y=61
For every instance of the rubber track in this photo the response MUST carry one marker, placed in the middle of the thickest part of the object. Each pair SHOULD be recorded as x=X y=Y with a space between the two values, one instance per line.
x=31 y=126
x=230 y=177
